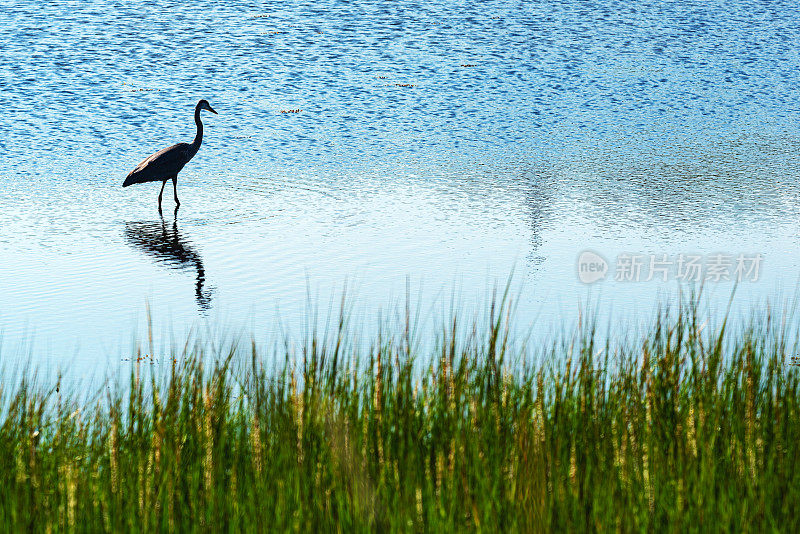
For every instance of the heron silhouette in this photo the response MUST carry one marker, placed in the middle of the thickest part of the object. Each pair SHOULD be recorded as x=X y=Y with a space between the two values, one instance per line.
x=166 y=164
x=167 y=246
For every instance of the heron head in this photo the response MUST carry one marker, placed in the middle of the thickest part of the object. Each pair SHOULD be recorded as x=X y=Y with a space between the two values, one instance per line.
x=203 y=104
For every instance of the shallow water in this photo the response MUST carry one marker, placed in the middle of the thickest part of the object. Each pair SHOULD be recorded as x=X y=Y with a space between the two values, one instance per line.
x=445 y=144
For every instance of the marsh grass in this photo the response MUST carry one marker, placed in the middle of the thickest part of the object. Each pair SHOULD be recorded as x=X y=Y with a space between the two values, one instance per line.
x=685 y=428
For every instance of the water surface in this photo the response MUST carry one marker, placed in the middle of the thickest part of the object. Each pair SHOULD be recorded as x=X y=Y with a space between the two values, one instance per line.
x=444 y=145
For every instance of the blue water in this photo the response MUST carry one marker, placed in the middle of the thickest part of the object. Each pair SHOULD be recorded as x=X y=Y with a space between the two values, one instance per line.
x=446 y=144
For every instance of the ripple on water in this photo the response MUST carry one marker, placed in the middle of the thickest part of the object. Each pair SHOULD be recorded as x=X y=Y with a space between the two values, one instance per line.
x=442 y=140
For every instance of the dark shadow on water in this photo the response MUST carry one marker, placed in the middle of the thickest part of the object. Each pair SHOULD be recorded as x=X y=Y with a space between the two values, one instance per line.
x=164 y=243
x=538 y=196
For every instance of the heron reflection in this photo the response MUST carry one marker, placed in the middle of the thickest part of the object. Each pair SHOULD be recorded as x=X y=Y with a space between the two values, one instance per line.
x=164 y=243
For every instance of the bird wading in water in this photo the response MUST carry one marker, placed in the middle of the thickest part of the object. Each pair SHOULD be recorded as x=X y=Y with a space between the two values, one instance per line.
x=166 y=164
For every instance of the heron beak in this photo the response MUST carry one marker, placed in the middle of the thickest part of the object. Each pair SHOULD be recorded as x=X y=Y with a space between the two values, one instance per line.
x=212 y=110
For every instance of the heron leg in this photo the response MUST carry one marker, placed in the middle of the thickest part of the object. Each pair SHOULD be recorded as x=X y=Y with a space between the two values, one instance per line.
x=161 y=193
x=175 y=190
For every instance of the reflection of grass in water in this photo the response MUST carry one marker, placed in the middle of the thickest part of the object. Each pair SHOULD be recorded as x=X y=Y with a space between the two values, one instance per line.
x=689 y=428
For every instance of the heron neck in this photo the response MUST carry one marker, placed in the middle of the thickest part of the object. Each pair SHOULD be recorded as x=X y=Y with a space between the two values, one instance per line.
x=198 y=139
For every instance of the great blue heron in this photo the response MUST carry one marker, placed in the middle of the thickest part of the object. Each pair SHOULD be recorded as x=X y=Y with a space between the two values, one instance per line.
x=166 y=164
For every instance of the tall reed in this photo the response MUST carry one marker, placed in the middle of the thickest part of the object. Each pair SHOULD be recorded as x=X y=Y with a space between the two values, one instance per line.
x=686 y=428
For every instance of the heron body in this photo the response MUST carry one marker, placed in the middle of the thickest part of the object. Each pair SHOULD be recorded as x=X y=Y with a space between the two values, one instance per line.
x=166 y=164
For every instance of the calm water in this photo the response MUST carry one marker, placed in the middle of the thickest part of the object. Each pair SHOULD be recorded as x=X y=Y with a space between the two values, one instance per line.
x=445 y=144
